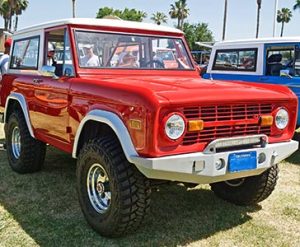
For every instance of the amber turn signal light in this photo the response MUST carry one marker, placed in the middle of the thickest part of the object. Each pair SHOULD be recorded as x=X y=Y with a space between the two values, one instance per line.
x=135 y=124
x=266 y=120
x=195 y=125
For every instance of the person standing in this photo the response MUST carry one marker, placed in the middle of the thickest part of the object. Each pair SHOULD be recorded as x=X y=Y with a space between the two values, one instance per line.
x=90 y=59
x=5 y=58
x=51 y=55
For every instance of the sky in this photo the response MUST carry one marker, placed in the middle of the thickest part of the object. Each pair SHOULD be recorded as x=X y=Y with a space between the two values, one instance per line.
x=241 y=18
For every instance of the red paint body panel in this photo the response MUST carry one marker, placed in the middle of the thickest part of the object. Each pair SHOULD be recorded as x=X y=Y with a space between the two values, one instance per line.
x=56 y=107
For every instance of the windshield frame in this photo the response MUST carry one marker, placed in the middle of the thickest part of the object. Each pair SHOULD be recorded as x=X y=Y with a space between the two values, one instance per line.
x=91 y=30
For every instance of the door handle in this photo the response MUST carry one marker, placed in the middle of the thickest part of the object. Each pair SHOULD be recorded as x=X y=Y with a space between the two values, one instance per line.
x=37 y=80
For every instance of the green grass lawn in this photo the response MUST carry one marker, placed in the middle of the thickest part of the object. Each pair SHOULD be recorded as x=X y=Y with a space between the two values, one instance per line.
x=42 y=210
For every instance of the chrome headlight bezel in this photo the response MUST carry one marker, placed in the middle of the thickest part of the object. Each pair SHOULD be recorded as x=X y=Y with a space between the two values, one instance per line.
x=175 y=126
x=282 y=118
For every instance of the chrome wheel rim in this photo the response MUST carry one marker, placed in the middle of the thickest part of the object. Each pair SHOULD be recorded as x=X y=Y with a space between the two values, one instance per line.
x=16 y=142
x=98 y=188
x=235 y=182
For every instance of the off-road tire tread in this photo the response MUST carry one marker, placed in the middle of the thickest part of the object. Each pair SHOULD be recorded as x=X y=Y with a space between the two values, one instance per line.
x=33 y=151
x=254 y=189
x=134 y=188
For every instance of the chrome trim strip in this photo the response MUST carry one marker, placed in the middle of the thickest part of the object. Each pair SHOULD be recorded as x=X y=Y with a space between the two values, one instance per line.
x=21 y=99
x=112 y=120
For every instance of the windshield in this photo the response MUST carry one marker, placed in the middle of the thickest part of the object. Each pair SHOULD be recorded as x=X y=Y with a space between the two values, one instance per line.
x=165 y=55
x=103 y=50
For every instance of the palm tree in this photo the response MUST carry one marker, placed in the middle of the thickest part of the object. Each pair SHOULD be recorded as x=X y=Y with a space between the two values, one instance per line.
x=20 y=6
x=9 y=8
x=297 y=5
x=258 y=16
x=180 y=12
x=11 y=5
x=4 y=12
x=284 y=16
x=224 y=20
x=159 y=18
x=74 y=8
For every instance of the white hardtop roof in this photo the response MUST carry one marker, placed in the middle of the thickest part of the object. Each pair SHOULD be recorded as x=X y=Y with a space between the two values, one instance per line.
x=101 y=22
x=259 y=41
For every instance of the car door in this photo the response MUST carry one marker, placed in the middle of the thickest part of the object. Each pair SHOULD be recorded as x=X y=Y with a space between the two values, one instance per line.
x=52 y=89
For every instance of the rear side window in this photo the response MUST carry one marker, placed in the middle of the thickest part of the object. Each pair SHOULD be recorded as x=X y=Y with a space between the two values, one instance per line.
x=236 y=60
x=25 y=54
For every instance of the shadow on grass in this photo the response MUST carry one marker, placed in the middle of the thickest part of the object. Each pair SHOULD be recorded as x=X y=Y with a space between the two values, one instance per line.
x=2 y=145
x=295 y=158
x=2 y=140
x=45 y=205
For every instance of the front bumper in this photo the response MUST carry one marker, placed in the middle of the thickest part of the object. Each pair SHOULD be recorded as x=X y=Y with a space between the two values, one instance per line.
x=200 y=167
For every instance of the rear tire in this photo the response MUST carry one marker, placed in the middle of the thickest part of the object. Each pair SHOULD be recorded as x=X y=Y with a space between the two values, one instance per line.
x=249 y=190
x=25 y=154
x=114 y=195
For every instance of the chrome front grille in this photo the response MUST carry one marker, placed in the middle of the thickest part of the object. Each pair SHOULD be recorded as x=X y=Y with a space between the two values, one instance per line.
x=226 y=121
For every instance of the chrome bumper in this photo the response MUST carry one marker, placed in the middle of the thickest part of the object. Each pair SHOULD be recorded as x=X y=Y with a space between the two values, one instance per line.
x=201 y=167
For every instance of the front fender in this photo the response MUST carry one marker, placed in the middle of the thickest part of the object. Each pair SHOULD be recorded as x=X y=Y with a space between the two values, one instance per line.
x=116 y=124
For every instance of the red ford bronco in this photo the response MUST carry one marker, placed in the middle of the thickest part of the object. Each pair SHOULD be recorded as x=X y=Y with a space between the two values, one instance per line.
x=97 y=90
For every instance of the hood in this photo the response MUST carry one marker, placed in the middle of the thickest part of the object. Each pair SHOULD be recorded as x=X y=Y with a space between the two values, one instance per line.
x=185 y=90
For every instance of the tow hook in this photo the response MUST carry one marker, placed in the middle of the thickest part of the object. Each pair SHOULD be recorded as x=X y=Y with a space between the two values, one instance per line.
x=274 y=155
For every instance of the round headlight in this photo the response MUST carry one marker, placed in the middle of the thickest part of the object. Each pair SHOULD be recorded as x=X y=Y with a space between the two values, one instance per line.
x=175 y=127
x=282 y=119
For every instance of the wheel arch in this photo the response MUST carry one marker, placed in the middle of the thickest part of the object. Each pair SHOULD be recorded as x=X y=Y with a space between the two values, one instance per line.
x=17 y=98
x=114 y=123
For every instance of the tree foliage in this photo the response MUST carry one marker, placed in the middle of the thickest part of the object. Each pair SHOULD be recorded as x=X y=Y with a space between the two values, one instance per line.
x=5 y=13
x=297 y=5
x=10 y=9
x=159 y=18
x=179 y=11
x=197 y=32
x=126 y=14
x=284 y=16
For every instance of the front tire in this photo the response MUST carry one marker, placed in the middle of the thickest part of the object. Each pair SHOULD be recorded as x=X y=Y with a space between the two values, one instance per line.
x=25 y=154
x=249 y=190
x=114 y=195
x=296 y=136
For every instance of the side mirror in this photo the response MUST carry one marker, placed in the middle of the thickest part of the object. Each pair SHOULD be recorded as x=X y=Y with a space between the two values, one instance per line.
x=68 y=72
x=48 y=71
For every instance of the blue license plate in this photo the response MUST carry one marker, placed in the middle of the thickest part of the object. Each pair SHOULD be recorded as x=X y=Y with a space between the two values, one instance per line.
x=242 y=161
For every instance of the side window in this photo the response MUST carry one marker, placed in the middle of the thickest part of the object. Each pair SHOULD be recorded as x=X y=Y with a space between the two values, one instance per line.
x=280 y=60
x=68 y=68
x=58 y=52
x=236 y=60
x=25 y=54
